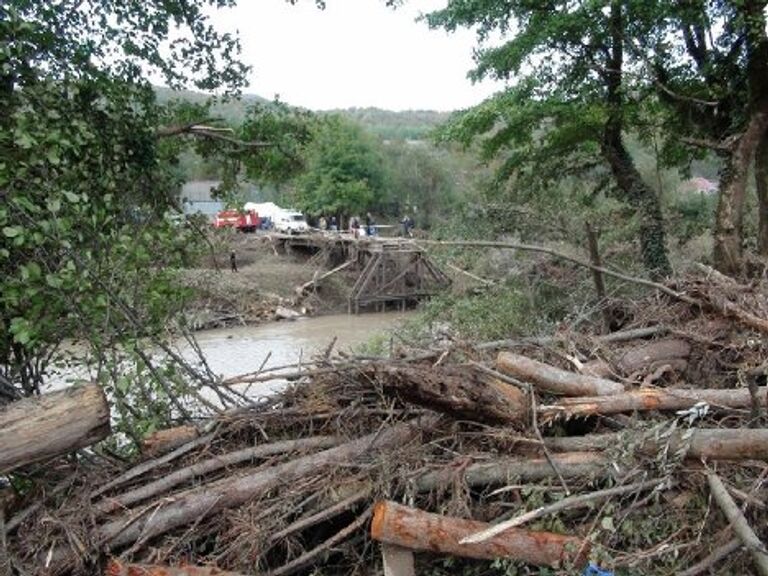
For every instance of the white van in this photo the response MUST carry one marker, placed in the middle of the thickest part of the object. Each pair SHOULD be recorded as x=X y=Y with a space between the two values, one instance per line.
x=290 y=222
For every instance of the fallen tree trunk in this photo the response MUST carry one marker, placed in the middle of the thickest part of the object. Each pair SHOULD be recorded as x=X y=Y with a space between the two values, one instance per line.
x=36 y=429
x=649 y=356
x=418 y=530
x=146 y=467
x=460 y=392
x=554 y=380
x=230 y=492
x=709 y=444
x=502 y=470
x=117 y=568
x=621 y=336
x=161 y=485
x=646 y=399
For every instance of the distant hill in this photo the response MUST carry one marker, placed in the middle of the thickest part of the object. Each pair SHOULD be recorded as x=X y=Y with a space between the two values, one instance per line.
x=233 y=111
x=386 y=124
x=389 y=125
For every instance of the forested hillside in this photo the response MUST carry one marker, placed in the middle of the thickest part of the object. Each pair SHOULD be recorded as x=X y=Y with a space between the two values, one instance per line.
x=387 y=124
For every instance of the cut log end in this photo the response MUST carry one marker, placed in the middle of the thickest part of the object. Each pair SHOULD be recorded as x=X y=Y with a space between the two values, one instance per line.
x=163 y=441
x=35 y=429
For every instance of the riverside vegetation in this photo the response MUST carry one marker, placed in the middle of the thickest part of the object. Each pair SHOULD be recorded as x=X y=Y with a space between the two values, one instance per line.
x=160 y=462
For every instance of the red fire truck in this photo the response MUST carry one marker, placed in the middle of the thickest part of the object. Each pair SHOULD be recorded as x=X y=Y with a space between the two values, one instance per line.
x=243 y=220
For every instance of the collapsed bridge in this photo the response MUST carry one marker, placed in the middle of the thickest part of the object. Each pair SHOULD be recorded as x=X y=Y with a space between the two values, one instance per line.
x=391 y=272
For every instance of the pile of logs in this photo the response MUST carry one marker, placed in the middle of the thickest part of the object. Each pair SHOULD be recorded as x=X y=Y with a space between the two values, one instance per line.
x=538 y=455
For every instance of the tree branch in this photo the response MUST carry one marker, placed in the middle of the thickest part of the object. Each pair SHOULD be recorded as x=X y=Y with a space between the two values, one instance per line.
x=568 y=503
x=542 y=249
x=739 y=523
x=726 y=145
x=654 y=71
x=203 y=131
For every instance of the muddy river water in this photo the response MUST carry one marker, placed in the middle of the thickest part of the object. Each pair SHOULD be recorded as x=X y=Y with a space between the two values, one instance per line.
x=232 y=351
x=238 y=350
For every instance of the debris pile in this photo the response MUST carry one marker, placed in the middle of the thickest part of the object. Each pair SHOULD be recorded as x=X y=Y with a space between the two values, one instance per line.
x=642 y=451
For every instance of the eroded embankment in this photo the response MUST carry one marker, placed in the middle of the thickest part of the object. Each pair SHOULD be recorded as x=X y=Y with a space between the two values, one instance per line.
x=261 y=290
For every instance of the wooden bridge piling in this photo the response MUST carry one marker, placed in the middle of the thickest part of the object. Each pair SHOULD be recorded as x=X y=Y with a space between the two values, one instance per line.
x=393 y=271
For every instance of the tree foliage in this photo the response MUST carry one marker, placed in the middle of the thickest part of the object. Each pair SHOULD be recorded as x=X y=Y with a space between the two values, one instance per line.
x=692 y=75
x=708 y=63
x=423 y=181
x=85 y=180
x=344 y=172
x=569 y=104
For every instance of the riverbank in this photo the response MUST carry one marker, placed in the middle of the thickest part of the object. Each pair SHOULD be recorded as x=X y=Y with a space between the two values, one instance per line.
x=263 y=287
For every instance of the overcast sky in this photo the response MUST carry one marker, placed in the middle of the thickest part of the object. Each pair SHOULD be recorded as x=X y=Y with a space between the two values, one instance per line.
x=354 y=53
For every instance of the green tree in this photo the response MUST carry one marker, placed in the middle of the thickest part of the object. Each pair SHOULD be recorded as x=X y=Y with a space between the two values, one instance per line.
x=344 y=172
x=86 y=176
x=708 y=63
x=420 y=180
x=571 y=102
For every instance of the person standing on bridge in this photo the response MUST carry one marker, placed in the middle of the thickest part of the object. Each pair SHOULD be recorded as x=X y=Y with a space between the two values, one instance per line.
x=334 y=226
x=369 y=224
x=407 y=223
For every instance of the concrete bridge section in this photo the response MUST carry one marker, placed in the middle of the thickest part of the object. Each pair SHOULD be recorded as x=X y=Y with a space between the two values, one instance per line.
x=391 y=272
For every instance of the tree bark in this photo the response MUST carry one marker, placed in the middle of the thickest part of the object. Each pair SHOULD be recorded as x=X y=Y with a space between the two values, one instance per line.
x=728 y=254
x=502 y=470
x=36 y=429
x=761 y=183
x=646 y=399
x=642 y=197
x=554 y=380
x=597 y=276
x=651 y=355
x=460 y=392
x=728 y=250
x=418 y=530
x=709 y=444
x=163 y=441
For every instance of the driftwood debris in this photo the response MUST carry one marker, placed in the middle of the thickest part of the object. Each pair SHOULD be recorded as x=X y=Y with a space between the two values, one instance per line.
x=646 y=399
x=418 y=530
x=36 y=429
x=568 y=503
x=460 y=392
x=117 y=568
x=233 y=492
x=287 y=485
x=554 y=380
x=647 y=357
x=707 y=444
x=304 y=288
x=503 y=470
x=163 y=441
x=200 y=469
x=739 y=524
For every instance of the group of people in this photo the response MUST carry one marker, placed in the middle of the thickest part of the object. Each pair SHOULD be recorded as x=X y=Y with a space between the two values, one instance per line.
x=326 y=224
x=368 y=226
x=331 y=224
